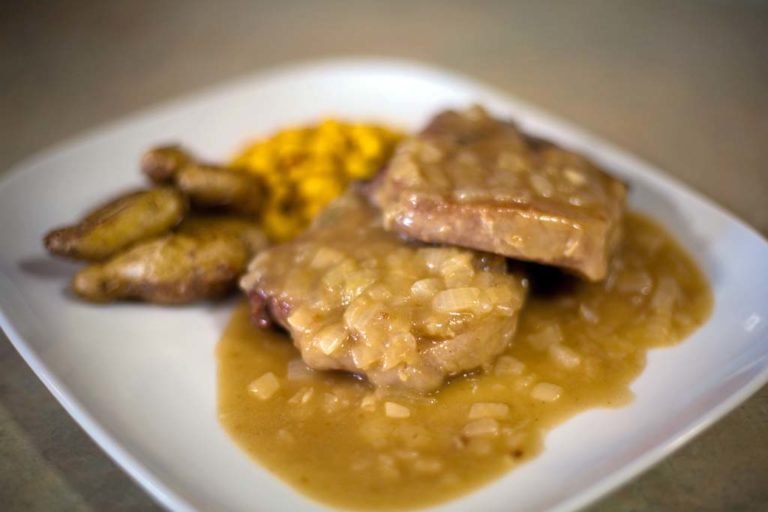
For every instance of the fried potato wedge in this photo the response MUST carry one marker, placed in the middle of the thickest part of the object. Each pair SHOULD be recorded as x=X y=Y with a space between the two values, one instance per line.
x=221 y=188
x=246 y=229
x=201 y=260
x=118 y=224
x=207 y=186
x=160 y=164
x=173 y=269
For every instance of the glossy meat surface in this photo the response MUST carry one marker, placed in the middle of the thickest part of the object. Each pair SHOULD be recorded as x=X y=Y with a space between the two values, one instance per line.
x=470 y=180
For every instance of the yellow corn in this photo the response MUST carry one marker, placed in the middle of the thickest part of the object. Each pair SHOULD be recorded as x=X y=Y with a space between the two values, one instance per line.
x=305 y=168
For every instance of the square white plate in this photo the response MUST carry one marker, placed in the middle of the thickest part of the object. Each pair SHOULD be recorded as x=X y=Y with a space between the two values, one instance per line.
x=141 y=379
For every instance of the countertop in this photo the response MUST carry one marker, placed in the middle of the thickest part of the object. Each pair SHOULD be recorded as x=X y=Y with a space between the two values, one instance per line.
x=683 y=85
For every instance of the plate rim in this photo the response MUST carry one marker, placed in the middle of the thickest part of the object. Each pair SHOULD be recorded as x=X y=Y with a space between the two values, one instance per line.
x=163 y=493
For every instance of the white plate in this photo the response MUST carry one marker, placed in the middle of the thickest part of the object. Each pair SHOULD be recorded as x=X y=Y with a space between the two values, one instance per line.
x=141 y=379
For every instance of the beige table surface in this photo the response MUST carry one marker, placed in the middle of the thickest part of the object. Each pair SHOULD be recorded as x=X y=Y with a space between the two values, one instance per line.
x=681 y=84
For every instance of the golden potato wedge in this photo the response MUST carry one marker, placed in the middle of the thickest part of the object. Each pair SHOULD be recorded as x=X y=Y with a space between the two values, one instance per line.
x=176 y=268
x=118 y=224
x=208 y=186
x=221 y=188
x=245 y=228
x=160 y=164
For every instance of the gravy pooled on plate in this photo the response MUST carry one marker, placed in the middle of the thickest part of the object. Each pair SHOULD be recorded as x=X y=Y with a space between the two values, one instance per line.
x=578 y=345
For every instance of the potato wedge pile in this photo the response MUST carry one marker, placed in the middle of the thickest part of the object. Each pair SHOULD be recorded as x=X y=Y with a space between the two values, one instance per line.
x=186 y=238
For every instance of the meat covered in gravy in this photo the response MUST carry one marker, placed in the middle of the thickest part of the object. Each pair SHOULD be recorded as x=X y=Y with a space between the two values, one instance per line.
x=470 y=180
x=355 y=297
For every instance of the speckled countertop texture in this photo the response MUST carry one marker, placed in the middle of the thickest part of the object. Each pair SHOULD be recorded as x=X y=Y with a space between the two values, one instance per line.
x=681 y=84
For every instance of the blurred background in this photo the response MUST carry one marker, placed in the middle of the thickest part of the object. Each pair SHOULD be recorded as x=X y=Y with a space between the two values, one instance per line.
x=682 y=84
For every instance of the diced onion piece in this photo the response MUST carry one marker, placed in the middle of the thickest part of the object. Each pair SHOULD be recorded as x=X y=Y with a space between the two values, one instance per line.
x=360 y=313
x=434 y=257
x=368 y=403
x=488 y=410
x=480 y=446
x=458 y=270
x=525 y=382
x=337 y=274
x=398 y=260
x=574 y=176
x=426 y=288
x=546 y=392
x=481 y=427
x=265 y=386
x=485 y=280
x=666 y=295
x=400 y=349
x=508 y=365
x=543 y=338
x=456 y=299
x=330 y=339
x=379 y=292
x=364 y=356
x=564 y=356
x=298 y=278
x=302 y=396
x=325 y=257
x=436 y=325
x=298 y=370
x=332 y=403
x=588 y=314
x=398 y=322
x=301 y=319
x=541 y=185
x=395 y=410
x=357 y=282
x=499 y=294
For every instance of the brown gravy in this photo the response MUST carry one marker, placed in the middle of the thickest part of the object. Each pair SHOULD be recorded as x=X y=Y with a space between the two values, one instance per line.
x=578 y=346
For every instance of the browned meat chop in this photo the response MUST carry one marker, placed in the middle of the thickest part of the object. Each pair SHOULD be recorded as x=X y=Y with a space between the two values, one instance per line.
x=470 y=180
x=356 y=297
